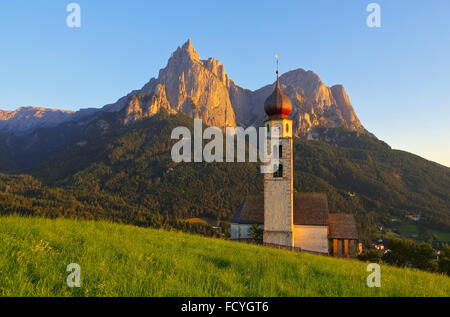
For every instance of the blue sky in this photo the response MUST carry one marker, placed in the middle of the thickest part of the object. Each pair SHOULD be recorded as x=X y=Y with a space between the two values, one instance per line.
x=397 y=76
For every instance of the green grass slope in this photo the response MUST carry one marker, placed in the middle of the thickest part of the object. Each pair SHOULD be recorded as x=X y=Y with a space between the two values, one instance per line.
x=121 y=260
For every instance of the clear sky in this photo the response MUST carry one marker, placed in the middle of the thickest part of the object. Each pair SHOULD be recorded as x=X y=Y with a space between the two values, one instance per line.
x=397 y=76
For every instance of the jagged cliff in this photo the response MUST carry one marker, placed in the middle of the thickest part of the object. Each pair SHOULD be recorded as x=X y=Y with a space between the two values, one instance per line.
x=187 y=84
x=202 y=89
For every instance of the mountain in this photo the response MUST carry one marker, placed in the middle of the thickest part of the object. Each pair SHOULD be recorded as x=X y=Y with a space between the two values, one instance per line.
x=314 y=104
x=25 y=150
x=187 y=85
x=115 y=163
x=125 y=173
x=202 y=89
x=27 y=119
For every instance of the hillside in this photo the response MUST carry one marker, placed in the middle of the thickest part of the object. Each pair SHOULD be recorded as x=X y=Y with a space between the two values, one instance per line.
x=115 y=163
x=119 y=260
x=125 y=174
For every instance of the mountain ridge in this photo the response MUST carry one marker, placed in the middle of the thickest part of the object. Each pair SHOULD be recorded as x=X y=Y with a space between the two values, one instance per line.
x=202 y=89
x=177 y=89
x=125 y=173
x=27 y=119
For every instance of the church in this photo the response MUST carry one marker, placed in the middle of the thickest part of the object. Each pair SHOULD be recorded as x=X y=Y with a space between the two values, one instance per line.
x=292 y=220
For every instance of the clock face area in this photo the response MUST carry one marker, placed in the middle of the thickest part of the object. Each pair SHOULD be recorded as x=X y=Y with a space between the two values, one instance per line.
x=287 y=128
x=284 y=125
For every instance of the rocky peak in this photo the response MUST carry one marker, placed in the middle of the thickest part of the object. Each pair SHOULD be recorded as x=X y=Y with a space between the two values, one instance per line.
x=185 y=53
x=308 y=83
x=218 y=69
x=190 y=85
x=345 y=106
x=30 y=112
x=202 y=89
x=314 y=104
x=317 y=104
x=188 y=47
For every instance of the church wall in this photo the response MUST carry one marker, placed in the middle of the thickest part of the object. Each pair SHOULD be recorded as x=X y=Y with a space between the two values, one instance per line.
x=278 y=205
x=278 y=209
x=234 y=231
x=239 y=231
x=311 y=238
x=278 y=238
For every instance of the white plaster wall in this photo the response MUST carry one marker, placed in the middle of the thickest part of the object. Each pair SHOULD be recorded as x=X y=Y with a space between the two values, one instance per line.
x=234 y=231
x=240 y=231
x=311 y=238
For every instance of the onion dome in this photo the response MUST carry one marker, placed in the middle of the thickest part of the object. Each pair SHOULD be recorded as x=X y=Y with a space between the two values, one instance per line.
x=278 y=105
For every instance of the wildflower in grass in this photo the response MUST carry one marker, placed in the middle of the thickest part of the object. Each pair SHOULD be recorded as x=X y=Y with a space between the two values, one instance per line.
x=42 y=246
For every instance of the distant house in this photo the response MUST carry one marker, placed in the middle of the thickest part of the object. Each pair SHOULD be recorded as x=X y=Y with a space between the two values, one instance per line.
x=379 y=246
x=414 y=217
x=296 y=221
x=343 y=233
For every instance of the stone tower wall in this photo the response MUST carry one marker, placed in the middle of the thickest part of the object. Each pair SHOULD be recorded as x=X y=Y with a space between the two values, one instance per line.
x=278 y=198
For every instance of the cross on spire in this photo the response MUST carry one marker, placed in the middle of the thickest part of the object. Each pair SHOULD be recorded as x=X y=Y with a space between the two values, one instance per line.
x=276 y=56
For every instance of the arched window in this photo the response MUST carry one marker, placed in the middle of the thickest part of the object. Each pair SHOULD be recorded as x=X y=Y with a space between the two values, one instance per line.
x=279 y=172
x=280 y=150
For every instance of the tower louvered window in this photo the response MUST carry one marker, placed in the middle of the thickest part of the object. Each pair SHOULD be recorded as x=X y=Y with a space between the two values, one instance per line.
x=279 y=172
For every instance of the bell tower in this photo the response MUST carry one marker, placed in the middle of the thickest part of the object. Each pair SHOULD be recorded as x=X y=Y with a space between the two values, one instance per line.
x=278 y=186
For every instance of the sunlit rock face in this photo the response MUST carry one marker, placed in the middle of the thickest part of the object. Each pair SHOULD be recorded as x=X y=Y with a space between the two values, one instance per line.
x=314 y=104
x=143 y=105
x=318 y=105
x=187 y=84
x=202 y=89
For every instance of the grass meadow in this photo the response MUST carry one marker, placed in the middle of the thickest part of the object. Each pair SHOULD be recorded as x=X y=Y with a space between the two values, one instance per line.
x=121 y=260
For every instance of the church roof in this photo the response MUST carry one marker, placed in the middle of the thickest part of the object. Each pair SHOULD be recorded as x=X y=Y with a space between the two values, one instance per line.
x=250 y=211
x=342 y=226
x=278 y=105
x=309 y=209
